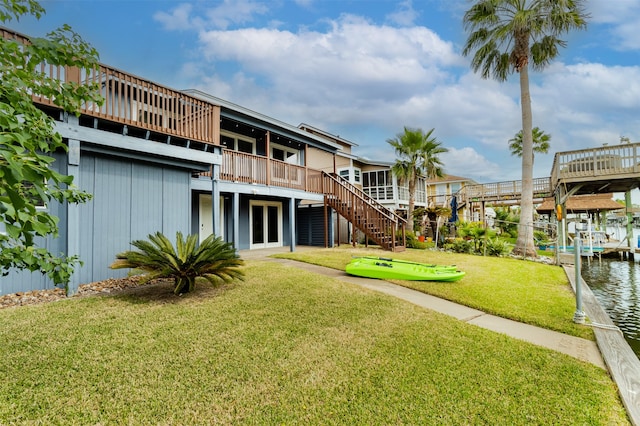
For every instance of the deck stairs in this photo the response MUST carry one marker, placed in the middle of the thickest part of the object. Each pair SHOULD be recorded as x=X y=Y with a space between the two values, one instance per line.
x=376 y=221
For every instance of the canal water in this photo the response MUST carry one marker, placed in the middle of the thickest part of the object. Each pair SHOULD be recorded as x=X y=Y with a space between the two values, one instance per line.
x=616 y=285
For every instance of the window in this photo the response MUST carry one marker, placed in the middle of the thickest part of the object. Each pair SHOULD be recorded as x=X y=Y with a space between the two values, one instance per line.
x=282 y=153
x=344 y=173
x=237 y=142
x=228 y=142
x=245 y=146
x=357 y=176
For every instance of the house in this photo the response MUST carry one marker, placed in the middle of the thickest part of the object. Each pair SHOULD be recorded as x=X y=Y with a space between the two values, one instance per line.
x=443 y=192
x=158 y=159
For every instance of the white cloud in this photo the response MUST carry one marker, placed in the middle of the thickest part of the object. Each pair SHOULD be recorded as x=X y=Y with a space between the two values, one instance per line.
x=622 y=16
x=405 y=15
x=353 y=57
x=467 y=162
x=177 y=19
x=235 y=12
x=222 y=16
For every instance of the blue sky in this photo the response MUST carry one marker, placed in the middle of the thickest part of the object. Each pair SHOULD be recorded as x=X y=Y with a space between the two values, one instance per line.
x=365 y=69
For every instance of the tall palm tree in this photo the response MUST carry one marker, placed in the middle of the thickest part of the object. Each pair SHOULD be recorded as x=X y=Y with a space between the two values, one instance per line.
x=417 y=156
x=540 y=142
x=507 y=36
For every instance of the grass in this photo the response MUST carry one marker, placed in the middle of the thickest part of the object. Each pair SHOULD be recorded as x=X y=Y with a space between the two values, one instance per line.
x=283 y=347
x=525 y=291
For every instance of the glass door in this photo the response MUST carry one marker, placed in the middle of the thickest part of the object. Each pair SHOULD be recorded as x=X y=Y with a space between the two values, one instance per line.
x=266 y=224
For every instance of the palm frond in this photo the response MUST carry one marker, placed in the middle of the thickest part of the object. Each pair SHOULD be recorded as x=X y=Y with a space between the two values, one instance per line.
x=214 y=260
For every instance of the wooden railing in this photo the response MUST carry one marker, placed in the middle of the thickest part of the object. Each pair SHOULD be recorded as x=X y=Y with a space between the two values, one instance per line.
x=135 y=101
x=249 y=168
x=619 y=161
x=501 y=191
x=376 y=221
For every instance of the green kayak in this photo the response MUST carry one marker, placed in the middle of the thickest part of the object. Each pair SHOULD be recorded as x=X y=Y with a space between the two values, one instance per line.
x=385 y=268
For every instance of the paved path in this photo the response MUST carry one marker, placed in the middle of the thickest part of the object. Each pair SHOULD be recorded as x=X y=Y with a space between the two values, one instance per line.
x=583 y=349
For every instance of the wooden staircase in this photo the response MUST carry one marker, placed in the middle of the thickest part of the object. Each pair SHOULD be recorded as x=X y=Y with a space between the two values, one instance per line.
x=376 y=221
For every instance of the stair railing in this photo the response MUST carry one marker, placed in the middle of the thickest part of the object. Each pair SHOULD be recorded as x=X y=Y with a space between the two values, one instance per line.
x=376 y=221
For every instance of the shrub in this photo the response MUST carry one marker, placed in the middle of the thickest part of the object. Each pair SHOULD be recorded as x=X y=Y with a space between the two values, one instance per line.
x=497 y=247
x=213 y=260
x=459 y=246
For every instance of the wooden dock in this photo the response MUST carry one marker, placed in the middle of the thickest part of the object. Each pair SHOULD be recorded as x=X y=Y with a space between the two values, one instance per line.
x=623 y=364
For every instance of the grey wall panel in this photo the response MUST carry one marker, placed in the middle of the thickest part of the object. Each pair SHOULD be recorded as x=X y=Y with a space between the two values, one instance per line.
x=87 y=183
x=131 y=200
x=111 y=215
x=286 y=223
x=243 y=221
x=146 y=204
x=176 y=202
x=23 y=281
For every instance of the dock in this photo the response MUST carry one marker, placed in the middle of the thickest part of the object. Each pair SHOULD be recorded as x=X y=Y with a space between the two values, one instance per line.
x=622 y=363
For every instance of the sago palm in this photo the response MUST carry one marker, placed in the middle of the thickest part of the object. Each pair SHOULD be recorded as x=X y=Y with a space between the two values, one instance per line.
x=214 y=260
x=507 y=36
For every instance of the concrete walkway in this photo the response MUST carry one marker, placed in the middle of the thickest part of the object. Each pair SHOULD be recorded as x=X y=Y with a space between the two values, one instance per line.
x=585 y=350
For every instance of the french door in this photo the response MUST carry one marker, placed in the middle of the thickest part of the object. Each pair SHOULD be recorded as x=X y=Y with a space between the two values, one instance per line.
x=265 y=219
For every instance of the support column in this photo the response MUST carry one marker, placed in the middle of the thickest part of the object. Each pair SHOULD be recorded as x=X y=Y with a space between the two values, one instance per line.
x=627 y=201
x=73 y=214
x=215 y=199
x=292 y=223
x=236 y=220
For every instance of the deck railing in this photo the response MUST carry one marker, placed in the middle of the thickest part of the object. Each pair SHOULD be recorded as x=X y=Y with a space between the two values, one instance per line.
x=377 y=222
x=135 y=101
x=249 y=168
x=503 y=190
x=603 y=162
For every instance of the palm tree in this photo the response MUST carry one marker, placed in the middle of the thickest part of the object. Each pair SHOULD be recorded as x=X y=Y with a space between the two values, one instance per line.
x=507 y=36
x=417 y=156
x=540 y=142
x=213 y=259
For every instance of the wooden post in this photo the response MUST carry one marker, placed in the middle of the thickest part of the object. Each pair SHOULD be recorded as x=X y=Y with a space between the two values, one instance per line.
x=268 y=152
x=627 y=201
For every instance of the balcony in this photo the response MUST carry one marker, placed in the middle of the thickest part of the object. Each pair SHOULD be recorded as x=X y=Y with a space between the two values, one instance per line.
x=133 y=101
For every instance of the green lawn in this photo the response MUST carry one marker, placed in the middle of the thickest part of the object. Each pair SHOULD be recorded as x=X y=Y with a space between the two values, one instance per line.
x=283 y=347
x=525 y=291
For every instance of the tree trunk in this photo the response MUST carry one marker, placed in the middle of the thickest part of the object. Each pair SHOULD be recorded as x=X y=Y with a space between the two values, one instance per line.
x=412 y=201
x=524 y=244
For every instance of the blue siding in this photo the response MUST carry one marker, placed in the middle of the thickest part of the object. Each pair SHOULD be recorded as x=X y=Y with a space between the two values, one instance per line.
x=131 y=200
x=146 y=185
x=176 y=202
x=16 y=280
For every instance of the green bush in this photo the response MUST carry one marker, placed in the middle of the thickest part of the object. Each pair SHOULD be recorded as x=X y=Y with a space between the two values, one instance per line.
x=497 y=247
x=540 y=237
x=459 y=246
x=213 y=260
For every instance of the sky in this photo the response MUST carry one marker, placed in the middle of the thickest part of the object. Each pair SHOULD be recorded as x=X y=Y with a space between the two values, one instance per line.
x=365 y=69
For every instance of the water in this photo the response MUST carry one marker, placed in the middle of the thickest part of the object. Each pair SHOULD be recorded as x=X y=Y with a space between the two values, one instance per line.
x=616 y=285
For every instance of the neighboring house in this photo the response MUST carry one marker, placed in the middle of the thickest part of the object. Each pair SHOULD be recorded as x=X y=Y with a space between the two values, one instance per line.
x=442 y=191
x=157 y=159
x=380 y=183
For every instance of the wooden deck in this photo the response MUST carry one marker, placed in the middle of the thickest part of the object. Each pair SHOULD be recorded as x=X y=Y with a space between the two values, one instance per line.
x=621 y=361
x=134 y=101
x=503 y=192
x=605 y=169
x=586 y=171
